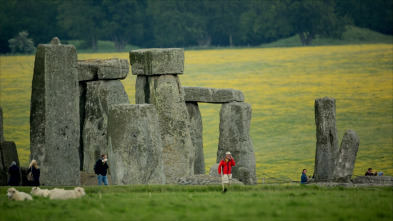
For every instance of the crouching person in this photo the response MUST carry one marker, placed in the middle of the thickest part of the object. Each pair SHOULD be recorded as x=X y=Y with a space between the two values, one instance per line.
x=225 y=170
x=101 y=168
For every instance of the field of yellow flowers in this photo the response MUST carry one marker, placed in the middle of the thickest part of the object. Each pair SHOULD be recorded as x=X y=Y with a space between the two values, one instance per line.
x=281 y=84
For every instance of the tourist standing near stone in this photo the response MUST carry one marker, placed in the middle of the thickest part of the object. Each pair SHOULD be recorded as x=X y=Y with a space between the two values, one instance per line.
x=303 y=178
x=370 y=172
x=101 y=167
x=225 y=167
x=33 y=167
x=14 y=175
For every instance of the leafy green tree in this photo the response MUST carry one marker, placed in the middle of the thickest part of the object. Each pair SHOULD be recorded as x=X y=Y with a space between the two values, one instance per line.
x=311 y=18
x=82 y=20
x=124 y=21
x=21 y=43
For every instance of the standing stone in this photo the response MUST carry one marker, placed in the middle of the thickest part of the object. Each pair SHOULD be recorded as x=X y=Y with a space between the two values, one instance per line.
x=235 y=121
x=327 y=144
x=135 y=146
x=1 y=125
x=100 y=95
x=196 y=130
x=54 y=114
x=166 y=93
x=347 y=157
x=158 y=84
x=8 y=153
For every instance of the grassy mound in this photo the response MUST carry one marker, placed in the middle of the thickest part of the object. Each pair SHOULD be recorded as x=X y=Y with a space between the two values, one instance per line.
x=353 y=35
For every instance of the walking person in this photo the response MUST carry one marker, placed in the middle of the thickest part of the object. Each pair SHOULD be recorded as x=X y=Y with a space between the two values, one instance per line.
x=225 y=170
x=33 y=167
x=100 y=168
x=14 y=175
x=303 y=178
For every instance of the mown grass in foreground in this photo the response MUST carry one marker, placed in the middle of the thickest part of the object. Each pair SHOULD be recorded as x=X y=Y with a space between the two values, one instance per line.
x=267 y=202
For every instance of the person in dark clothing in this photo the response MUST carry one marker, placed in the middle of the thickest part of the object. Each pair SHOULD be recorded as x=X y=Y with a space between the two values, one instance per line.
x=36 y=173
x=14 y=175
x=303 y=178
x=100 y=168
x=370 y=172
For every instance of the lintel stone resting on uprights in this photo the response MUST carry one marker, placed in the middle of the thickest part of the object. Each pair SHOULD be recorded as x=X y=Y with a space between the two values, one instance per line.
x=158 y=83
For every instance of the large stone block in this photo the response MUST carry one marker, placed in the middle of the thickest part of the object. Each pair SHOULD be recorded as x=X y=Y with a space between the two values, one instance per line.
x=346 y=157
x=1 y=125
x=327 y=144
x=373 y=181
x=103 y=69
x=166 y=93
x=235 y=121
x=214 y=170
x=100 y=95
x=157 y=61
x=8 y=153
x=212 y=95
x=54 y=114
x=135 y=146
x=196 y=130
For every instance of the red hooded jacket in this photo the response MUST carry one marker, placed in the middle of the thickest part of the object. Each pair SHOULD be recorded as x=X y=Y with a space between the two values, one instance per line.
x=227 y=166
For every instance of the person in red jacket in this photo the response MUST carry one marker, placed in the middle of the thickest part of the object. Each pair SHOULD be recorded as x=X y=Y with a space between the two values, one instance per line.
x=224 y=169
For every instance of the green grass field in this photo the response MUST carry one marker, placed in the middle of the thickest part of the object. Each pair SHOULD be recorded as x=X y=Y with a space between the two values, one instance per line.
x=281 y=84
x=268 y=202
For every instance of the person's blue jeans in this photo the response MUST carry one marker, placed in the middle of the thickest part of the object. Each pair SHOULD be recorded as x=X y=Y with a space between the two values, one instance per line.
x=101 y=179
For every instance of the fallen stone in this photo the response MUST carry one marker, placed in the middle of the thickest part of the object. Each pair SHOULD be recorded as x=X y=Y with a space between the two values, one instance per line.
x=196 y=136
x=103 y=69
x=212 y=95
x=327 y=144
x=235 y=121
x=54 y=114
x=373 y=181
x=346 y=157
x=166 y=93
x=214 y=170
x=100 y=95
x=135 y=146
x=157 y=61
x=202 y=179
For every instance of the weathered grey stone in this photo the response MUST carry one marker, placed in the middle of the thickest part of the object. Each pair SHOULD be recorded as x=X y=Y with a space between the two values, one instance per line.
x=214 y=170
x=235 y=121
x=54 y=114
x=100 y=95
x=103 y=69
x=135 y=146
x=373 y=181
x=142 y=90
x=166 y=93
x=8 y=153
x=196 y=130
x=346 y=157
x=327 y=144
x=202 y=179
x=1 y=125
x=212 y=95
x=157 y=61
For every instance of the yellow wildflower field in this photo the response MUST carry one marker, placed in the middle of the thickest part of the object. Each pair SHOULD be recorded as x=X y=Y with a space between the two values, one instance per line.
x=281 y=84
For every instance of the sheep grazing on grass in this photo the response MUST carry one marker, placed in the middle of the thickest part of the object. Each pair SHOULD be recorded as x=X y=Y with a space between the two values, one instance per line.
x=36 y=191
x=14 y=194
x=78 y=192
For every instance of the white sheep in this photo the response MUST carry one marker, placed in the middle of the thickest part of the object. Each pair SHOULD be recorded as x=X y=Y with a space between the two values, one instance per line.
x=78 y=192
x=36 y=191
x=14 y=194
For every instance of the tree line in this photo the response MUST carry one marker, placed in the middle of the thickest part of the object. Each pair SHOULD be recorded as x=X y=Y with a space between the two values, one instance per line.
x=187 y=23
